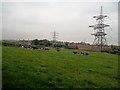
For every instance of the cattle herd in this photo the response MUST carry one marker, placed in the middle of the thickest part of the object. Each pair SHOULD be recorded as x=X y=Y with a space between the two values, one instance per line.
x=48 y=49
x=39 y=48
x=81 y=53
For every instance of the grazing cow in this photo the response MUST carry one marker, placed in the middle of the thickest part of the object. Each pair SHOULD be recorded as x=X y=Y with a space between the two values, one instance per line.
x=46 y=49
x=22 y=46
x=82 y=53
x=75 y=52
x=29 y=47
x=87 y=53
x=58 y=50
x=25 y=47
x=35 y=48
x=42 y=48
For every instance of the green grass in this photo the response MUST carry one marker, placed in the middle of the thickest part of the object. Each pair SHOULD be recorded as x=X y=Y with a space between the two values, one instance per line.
x=0 y=67
x=24 y=68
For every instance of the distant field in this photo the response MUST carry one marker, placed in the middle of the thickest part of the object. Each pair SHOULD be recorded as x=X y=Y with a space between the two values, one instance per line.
x=24 y=68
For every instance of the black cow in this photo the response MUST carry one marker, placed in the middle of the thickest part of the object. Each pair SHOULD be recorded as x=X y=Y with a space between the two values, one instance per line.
x=87 y=53
x=75 y=52
x=35 y=48
x=82 y=53
x=58 y=50
x=46 y=49
x=25 y=47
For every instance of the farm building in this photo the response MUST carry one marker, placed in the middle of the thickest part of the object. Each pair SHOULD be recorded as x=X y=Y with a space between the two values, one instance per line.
x=73 y=46
x=86 y=47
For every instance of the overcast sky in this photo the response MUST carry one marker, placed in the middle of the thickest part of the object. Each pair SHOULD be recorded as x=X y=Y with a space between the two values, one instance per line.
x=31 y=20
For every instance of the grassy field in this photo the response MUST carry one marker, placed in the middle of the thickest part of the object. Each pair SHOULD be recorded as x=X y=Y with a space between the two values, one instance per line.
x=0 y=66
x=24 y=68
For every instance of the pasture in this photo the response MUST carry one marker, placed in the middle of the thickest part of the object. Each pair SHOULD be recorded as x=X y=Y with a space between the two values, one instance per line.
x=23 y=68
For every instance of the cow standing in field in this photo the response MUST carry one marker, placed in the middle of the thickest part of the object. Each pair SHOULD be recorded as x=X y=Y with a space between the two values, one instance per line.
x=46 y=49
x=34 y=48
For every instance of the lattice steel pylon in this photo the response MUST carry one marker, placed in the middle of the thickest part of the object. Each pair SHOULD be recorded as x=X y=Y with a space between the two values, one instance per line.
x=100 y=39
x=54 y=41
x=55 y=35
